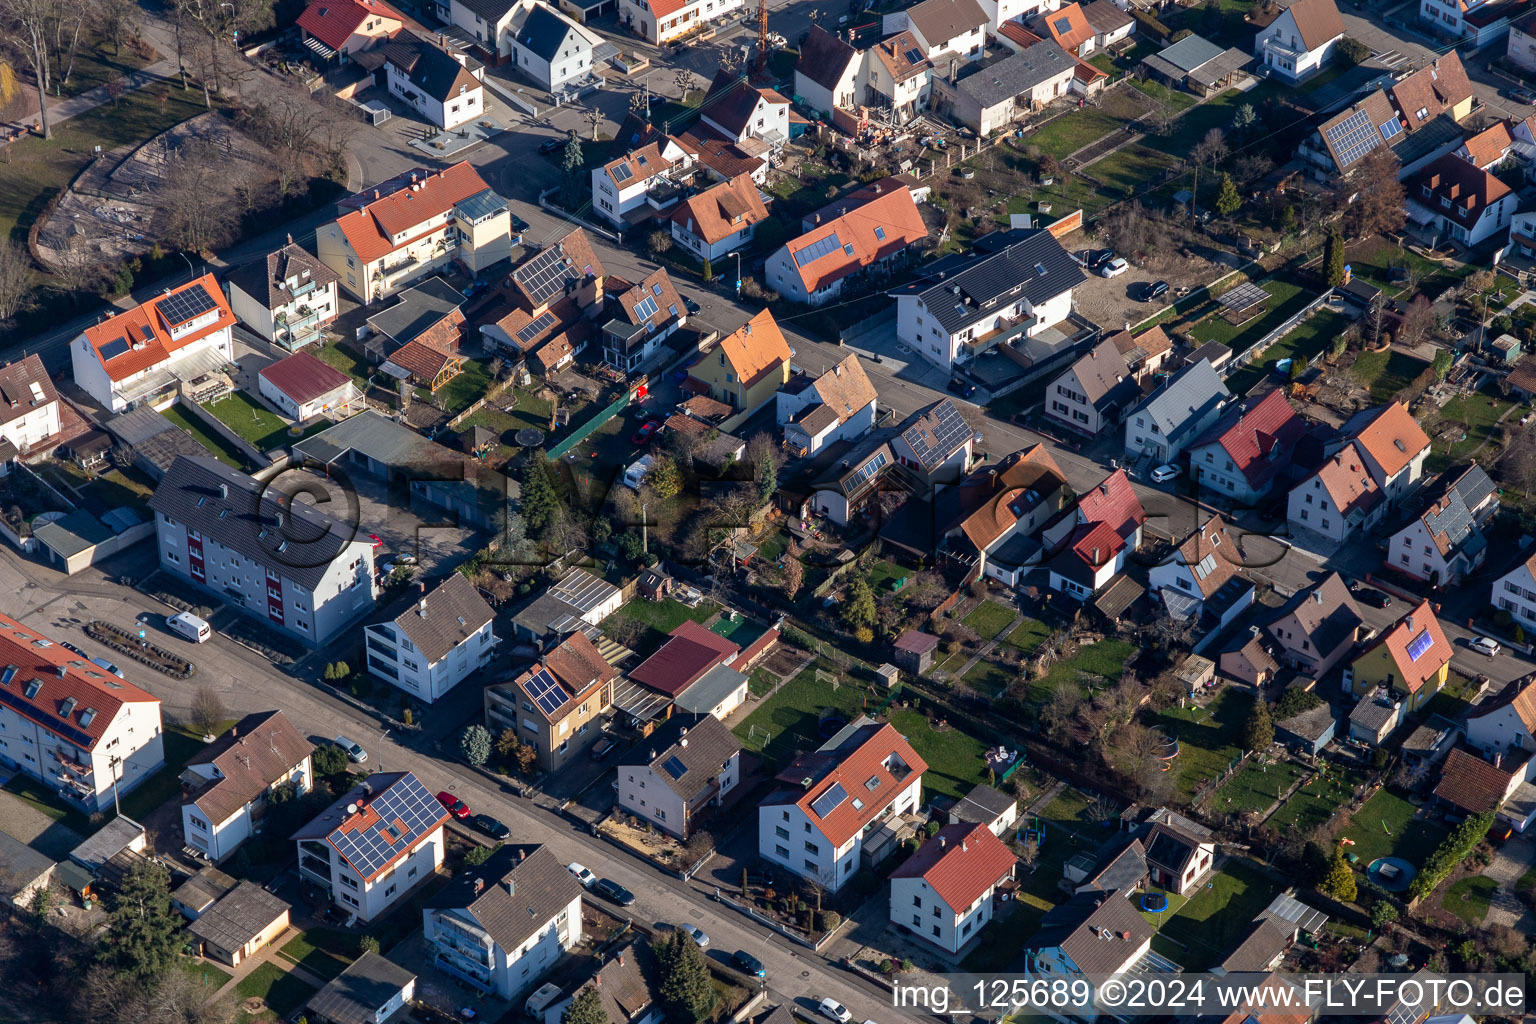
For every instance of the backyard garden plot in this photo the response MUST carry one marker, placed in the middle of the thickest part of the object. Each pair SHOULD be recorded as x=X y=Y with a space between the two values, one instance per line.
x=1286 y=298
x=662 y=617
x=791 y=720
x=990 y=618
x=1308 y=340
x=1207 y=736
x=1470 y=898
x=1211 y=923
x=217 y=446
x=1104 y=660
x=956 y=760
x=1386 y=373
x=1388 y=825
x=283 y=993
x=1256 y=786
x=1473 y=422
x=1317 y=801
x=989 y=678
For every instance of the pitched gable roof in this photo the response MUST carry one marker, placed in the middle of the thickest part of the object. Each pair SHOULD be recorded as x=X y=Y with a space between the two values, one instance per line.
x=901 y=56
x=74 y=699
x=1435 y=88
x=1389 y=434
x=1519 y=695
x=731 y=100
x=873 y=231
x=1448 y=519
x=637 y=166
x=1469 y=189
x=1317 y=22
x=333 y=22
x=1104 y=377
x=1113 y=502
x=665 y=304
x=824 y=57
x=544 y=32
x=939 y=21
x=552 y=273
x=429 y=67
x=1088 y=928
x=690 y=651
x=445 y=617
x=1490 y=145
x=1144 y=347
x=1469 y=782
x=687 y=752
x=1258 y=438
x=146 y=335
x=1347 y=482
x=871 y=763
x=1178 y=407
x=303 y=377
x=991 y=504
x=1416 y=645
x=1324 y=613
x=376 y=823
x=261 y=749
x=756 y=349
x=959 y=863
x=844 y=389
x=513 y=895
x=1210 y=553
x=371 y=227
x=1068 y=27
x=722 y=210
x=267 y=280
x=1343 y=141
x=24 y=388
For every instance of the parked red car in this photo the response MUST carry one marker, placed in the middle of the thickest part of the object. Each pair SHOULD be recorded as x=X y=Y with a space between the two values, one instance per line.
x=456 y=807
x=646 y=432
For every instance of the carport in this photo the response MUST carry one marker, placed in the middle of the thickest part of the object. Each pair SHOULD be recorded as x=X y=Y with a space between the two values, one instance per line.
x=1243 y=303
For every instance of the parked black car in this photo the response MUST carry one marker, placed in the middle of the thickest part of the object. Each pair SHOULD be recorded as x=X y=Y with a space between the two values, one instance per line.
x=749 y=963
x=549 y=146
x=1155 y=290
x=609 y=889
x=961 y=387
x=1372 y=597
x=1099 y=257
x=490 y=826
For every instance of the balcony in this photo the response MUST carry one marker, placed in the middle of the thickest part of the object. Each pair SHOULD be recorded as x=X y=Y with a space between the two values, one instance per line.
x=1009 y=329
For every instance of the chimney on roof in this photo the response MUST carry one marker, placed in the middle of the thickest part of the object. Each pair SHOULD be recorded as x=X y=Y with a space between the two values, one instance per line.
x=290 y=238
x=941 y=842
x=479 y=886
x=1095 y=555
x=279 y=516
x=511 y=886
x=224 y=491
x=621 y=959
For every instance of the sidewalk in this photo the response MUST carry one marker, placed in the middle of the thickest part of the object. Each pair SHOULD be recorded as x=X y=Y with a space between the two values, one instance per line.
x=62 y=110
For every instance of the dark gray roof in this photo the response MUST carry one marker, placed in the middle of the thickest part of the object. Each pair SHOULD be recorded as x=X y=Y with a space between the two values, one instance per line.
x=982 y=804
x=1310 y=725
x=1287 y=912
x=246 y=912
x=444 y=618
x=543 y=33
x=1037 y=268
x=203 y=889
x=700 y=743
x=20 y=866
x=546 y=613
x=1076 y=927
x=417 y=309
x=265 y=280
x=1180 y=406
x=1001 y=82
x=432 y=70
x=1265 y=941
x=824 y=57
x=491 y=10
x=241 y=513
x=107 y=842
x=1474 y=486
x=1170 y=847
x=712 y=688
x=514 y=894
x=1190 y=53
x=357 y=994
x=1126 y=869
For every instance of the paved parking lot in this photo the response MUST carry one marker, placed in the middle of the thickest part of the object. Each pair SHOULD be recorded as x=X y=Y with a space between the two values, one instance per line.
x=1115 y=302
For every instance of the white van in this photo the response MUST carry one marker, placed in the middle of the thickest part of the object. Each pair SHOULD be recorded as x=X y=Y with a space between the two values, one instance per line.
x=542 y=1000
x=188 y=627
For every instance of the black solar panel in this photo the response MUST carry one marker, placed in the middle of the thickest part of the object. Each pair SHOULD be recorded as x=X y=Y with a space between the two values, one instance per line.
x=1353 y=137
x=408 y=801
x=935 y=443
x=622 y=173
x=818 y=249
x=543 y=277
x=674 y=767
x=186 y=305
x=830 y=800
x=645 y=308
x=546 y=691
x=114 y=348
x=533 y=330
x=914 y=56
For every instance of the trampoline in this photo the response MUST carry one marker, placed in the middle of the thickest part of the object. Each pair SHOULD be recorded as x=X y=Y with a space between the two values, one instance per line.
x=1391 y=873
x=829 y=726
x=1154 y=902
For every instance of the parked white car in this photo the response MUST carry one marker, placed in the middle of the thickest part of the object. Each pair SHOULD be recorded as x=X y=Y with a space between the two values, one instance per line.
x=695 y=933
x=1485 y=645
x=1162 y=474
x=830 y=1007
x=1114 y=268
x=585 y=877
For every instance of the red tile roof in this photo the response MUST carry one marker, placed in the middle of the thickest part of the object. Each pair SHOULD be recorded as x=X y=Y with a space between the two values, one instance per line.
x=369 y=229
x=683 y=659
x=75 y=695
x=1259 y=439
x=959 y=863
x=1415 y=672
x=1434 y=88
x=303 y=378
x=1348 y=483
x=865 y=759
x=756 y=349
x=1490 y=145
x=148 y=328
x=1470 y=189
x=722 y=210
x=1068 y=27
x=1114 y=503
x=1471 y=783
x=333 y=22
x=1015 y=32
x=1393 y=437
x=866 y=234
x=579 y=665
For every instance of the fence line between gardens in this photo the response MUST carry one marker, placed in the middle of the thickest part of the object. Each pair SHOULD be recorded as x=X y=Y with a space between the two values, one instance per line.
x=1256 y=350
x=568 y=215
x=217 y=425
x=496 y=391
x=590 y=427
x=1209 y=788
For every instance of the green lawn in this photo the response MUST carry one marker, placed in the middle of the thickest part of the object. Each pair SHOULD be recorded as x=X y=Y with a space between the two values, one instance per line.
x=1256 y=786
x=165 y=784
x=883 y=575
x=1073 y=130
x=788 y=722
x=1207 y=738
x=1308 y=340
x=1316 y=802
x=776 y=544
x=761 y=682
x=1028 y=635
x=1468 y=899
x=528 y=410
x=1105 y=659
x=325 y=952
x=990 y=618
x=250 y=419
x=336 y=357
x=1069 y=192
x=1387 y=825
x=1479 y=416
x=1214 y=919
x=1386 y=373
x=466 y=388
x=956 y=760
x=116 y=488
x=1370 y=260
x=282 y=992
x=217 y=446
x=664 y=616
x=990 y=678
x=206 y=974
x=1176 y=99
x=1286 y=299
x=1132 y=169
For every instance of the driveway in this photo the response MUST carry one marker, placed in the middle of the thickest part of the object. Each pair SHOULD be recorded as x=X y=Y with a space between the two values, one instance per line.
x=1509 y=865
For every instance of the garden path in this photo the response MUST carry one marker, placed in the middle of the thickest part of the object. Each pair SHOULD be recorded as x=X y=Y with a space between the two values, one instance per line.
x=986 y=648
x=61 y=110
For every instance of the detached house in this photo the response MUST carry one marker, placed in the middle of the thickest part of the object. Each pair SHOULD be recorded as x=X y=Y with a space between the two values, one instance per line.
x=1241 y=458
x=554 y=52
x=1492 y=148
x=1094 y=395
x=1180 y=854
x=1000 y=510
x=345 y=28
x=991 y=96
x=1300 y=42
x=301 y=387
x=433 y=81
x=287 y=299
x=740 y=111
x=1521 y=50
x=721 y=219
x=1318 y=627
x=1393 y=446
x=948 y=28
x=1172 y=418
x=934 y=445
x=1505 y=724
x=29 y=409
x=638 y=186
x=1439 y=87
x=1093 y=934
x=987 y=300
x=502 y=925
x=1092 y=546
x=1515 y=592
x=1191 y=577
x=898 y=77
x=661 y=21
x=814 y=412
x=413 y=225
x=680 y=771
x=148 y=354
x=1338 y=500
x=1454 y=198
x=1410 y=660
x=747 y=368
x=430 y=648
x=640 y=318
x=827 y=72
x=557 y=705
x=867 y=238
x=227 y=785
x=372 y=847
x=1445 y=541
x=814 y=825
x=944 y=892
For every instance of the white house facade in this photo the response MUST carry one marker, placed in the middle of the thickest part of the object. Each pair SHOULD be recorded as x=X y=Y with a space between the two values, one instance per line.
x=1300 y=42
x=29 y=406
x=680 y=770
x=430 y=648
x=661 y=21
x=944 y=891
x=238 y=774
x=287 y=299
x=1515 y=592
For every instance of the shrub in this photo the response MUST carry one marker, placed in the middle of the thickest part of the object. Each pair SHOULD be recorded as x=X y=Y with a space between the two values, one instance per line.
x=1451 y=852
x=1352 y=51
x=1181 y=35
x=1152 y=25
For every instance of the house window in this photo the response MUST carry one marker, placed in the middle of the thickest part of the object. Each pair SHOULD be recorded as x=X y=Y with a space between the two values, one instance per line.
x=782 y=852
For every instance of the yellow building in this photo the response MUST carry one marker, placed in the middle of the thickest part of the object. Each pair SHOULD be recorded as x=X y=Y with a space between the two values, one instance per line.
x=556 y=706
x=748 y=367
x=1410 y=660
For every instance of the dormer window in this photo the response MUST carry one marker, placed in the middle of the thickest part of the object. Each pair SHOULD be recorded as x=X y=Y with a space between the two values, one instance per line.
x=1421 y=113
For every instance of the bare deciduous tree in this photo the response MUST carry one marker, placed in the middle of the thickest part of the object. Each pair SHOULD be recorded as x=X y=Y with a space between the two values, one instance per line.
x=1379 y=206
x=116 y=20
x=193 y=211
x=15 y=278
x=1517 y=466
x=207 y=712
x=219 y=23
x=1419 y=320
x=289 y=123
x=1061 y=709
x=32 y=25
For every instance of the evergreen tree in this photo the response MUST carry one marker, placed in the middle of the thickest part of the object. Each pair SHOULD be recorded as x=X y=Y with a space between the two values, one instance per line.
x=143 y=936
x=540 y=503
x=1259 y=730
x=1245 y=117
x=767 y=477
x=1339 y=880
x=859 y=605
x=329 y=759
x=586 y=1008
x=573 y=184
x=1289 y=220
x=686 y=990
x=475 y=742
x=1333 y=259
x=1229 y=200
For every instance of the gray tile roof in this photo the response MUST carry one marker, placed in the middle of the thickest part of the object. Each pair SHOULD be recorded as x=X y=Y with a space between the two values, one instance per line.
x=1190 y=53
x=513 y=895
x=445 y=618
x=544 y=33
x=982 y=804
x=1265 y=941
x=20 y=866
x=1037 y=269
x=712 y=688
x=1312 y=724
x=491 y=10
x=266 y=280
x=1076 y=927
x=239 y=917
x=242 y=513
x=432 y=70
x=17 y=397
x=824 y=57
x=1125 y=870
x=416 y=309
x=1019 y=73
x=356 y=995
x=701 y=743
x=1180 y=406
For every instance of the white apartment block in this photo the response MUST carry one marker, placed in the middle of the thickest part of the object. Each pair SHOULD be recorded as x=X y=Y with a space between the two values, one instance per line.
x=288 y=298
x=661 y=21
x=29 y=407
x=233 y=778
x=430 y=648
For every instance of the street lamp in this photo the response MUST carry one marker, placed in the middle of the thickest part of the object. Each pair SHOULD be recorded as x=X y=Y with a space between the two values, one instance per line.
x=191 y=273
x=736 y=254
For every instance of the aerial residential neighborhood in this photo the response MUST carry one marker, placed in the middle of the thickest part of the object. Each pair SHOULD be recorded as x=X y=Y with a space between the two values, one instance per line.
x=694 y=511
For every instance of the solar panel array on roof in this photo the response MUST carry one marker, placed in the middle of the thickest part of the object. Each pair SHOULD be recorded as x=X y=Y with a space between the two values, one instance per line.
x=546 y=691
x=946 y=435
x=830 y=801
x=1419 y=644
x=818 y=249
x=481 y=205
x=544 y=275
x=674 y=767
x=186 y=305
x=113 y=349
x=1391 y=128
x=1353 y=137
x=871 y=467
x=645 y=308
x=369 y=849
x=622 y=173
x=536 y=328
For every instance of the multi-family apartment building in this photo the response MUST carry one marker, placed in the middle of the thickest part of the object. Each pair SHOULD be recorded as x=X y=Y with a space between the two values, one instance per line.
x=228 y=785
x=288 y=298
x=678 y=773
x=432 y=646
x=557 y=705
